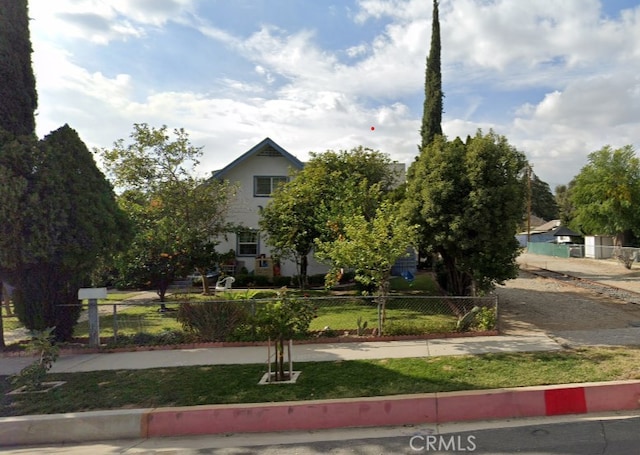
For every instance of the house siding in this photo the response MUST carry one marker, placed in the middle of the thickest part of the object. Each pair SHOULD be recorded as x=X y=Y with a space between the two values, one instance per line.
x=245 y=210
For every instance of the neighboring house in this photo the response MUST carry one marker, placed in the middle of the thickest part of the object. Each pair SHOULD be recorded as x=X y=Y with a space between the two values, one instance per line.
x=257 y=173
x=563 y=234
x=541 y=233
x=550 y=232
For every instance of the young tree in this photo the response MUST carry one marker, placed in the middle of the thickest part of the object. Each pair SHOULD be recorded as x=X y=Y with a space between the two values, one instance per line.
x=331 y=186
x=17 y=83
x=176 y=215
x=432 y=110
x=467 y=200
x=60 y=216
x=282 y=320
x=370 y=247
x=606 y=194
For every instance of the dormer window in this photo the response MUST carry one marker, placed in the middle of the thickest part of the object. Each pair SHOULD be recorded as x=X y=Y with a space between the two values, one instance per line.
x=264 y=186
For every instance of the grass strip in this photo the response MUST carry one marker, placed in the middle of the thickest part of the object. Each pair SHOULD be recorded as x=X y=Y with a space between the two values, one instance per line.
x=197 y=385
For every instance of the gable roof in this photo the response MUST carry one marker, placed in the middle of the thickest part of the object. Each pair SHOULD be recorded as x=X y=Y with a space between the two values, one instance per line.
x=266 y=145
x=565 y=232
x=548 y=226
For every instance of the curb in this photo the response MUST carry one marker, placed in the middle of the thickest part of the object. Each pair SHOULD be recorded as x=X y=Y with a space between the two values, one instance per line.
x=536 y=401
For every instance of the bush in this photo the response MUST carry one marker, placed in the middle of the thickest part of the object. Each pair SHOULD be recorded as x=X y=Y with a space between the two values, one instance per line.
x=166 y=337
x=213 y=321
x=280 y=281
x=397 y=328
x=251 y=280
x=485 y=319
x=316 y=280
x=41 y=345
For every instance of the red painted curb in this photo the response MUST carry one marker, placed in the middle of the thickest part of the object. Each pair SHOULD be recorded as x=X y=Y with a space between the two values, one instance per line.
x=394 y=410
x=291 y=416
x=322 y=414
x=565 y=401
x=490 y=404
x=619 y=395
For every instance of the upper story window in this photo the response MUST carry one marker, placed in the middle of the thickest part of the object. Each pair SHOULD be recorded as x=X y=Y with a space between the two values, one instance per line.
x=263 y=186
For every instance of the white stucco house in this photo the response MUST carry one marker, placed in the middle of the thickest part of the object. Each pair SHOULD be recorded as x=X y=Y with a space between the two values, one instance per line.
x=257 y=173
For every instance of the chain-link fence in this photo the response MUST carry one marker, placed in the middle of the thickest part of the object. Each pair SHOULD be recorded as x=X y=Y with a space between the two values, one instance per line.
x=235 y=320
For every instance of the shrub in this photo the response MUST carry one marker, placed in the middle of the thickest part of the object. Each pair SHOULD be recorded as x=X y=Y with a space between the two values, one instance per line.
x=41 y=345
x=485 y=319
x=212 y=321
x=397 y=328
x=280 y=281
x=165 y=337
x=250 y=280
x=316 y=280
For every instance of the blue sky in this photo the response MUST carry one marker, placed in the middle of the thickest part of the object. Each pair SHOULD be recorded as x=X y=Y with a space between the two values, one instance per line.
x=558 y=78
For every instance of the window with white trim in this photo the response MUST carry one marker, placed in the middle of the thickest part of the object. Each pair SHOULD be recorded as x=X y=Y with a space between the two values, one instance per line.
x=248 y=243
x=265 y=185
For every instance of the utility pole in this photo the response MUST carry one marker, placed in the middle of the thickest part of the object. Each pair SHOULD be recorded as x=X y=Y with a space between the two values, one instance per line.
x=528 y=205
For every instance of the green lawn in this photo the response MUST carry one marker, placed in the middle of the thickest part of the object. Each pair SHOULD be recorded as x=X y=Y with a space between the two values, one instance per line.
x=132 y=320
x=198 y=385
x=336 y=314
x=10 y=323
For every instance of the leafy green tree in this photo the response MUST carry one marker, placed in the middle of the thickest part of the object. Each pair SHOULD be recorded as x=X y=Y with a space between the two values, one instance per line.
x=59 y=216
x=176 y=216
x=606 y=194
x=370 y=247
x=331 y=186
x=566 y=210
x=17 y=83
x=467 y=200
x=543 y=203
x=432 y=110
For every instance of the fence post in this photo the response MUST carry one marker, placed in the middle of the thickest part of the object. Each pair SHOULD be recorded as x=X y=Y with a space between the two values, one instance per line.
x=92 y=295
x=379 y=318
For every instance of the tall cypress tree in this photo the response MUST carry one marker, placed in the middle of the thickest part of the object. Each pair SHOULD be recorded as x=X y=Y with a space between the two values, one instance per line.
x=432 y=114
x=18 y=97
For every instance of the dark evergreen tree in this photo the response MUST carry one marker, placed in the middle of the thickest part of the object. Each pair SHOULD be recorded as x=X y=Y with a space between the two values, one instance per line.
x=468 y=198
x=60 y=216
x=18 y=98
x=432 y=113
x=543 y=203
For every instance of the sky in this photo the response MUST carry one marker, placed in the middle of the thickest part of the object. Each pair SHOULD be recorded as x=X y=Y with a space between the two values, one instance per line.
x=558 y=78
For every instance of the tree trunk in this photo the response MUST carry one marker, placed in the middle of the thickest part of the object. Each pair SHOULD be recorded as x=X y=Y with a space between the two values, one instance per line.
x=280 y=360
x=4 y=295
x=304 y=266
x=2 y=345
x=205 y=282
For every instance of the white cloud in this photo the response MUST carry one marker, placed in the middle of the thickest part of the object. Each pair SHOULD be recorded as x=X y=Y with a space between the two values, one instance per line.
x=579 y=65
x=101 y=22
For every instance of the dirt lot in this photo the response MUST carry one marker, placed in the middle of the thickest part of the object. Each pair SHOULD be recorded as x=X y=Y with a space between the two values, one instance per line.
x=530 y=303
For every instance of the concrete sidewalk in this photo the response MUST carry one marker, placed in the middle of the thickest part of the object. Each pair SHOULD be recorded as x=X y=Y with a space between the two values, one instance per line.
x=319 y=352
